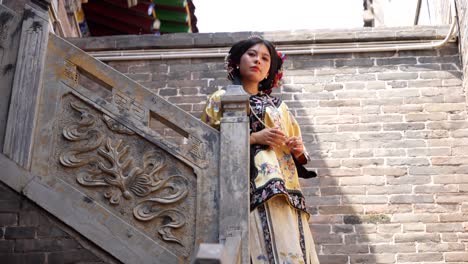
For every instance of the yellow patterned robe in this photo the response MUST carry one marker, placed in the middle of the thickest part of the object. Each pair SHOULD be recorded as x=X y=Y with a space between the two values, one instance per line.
x=279 y=230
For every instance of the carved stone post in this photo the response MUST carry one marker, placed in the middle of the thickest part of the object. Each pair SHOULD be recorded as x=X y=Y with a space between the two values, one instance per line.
x=10 y=29
x=234 y=169
x=27 y=85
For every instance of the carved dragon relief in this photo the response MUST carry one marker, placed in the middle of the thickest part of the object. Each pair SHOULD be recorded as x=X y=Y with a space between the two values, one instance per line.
x=104 y=162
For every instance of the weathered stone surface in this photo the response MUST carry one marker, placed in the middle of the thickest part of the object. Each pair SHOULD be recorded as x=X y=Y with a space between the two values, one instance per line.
x=26 y=87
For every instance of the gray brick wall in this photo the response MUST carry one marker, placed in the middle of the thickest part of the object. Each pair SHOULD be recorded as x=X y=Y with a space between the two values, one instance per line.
x=30 y=235
x=388 y=136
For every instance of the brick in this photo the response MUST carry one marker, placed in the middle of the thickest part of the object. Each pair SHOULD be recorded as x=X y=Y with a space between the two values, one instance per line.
x=408 y=92
x=381 y=118
x=320 y=238
x=381 y=136
x=8 y=219
x=409 y=179
x=6 y=194
x=407 y=161
x=447 y=125
x=70 y=256
x=418 y=68
x=427 y=134
x=419 y=257
x=334 y=137
x=382 y=102
x=374 y=238
x=372 y=258
x=449 y=161
x=10 y=206
x=335 y=154
x=397 y=76
x=409 y=198
x=340 y=209
x=339 y=103
x=355 y=77
x=333 y=259
x=444 y=227
x=357 y=163
x=447 y=179
x=344 y=249
x=449 y=59
x=354 y=62
x=328 y=200
x=444 y=107
x=403 y=126
x=456 y=256
x=389 y=152
x=425 y=117
x=438 y=75
x=416 y=237
x=402 y=109
x=361 y=153
x=20 y=232
x=312 y=64
x=369 y=109
x=424 y=83
x=36 y=258
x=393 y=171
x=46 y=245
x=365 y=228
x=349 y=190
x=401 y=189
x=388 y=208
x=414 y=227
x=429 y=152
x=359 y=219
x=343 y=229
x=334 y=71
x=393 y=248
x=325 y=229
x=7 y=246
x=451 y=188
x=397 y=84
x=359 y=127
x=356 y=85
x=167 y=92
x=365 y=199
x=414 y=218
x=390 y=228
x=395 y=61
x=451 y=198
x=424 y=100
x=440 y=247
x=362 y=180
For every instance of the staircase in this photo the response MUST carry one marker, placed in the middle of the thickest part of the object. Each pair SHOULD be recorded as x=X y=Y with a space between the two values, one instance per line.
x=86 y=143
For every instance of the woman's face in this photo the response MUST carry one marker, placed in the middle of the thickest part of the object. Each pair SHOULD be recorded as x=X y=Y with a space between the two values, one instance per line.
x=255 y=64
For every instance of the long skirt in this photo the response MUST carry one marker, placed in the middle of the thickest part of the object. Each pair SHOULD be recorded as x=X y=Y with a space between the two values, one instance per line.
x=280 y=234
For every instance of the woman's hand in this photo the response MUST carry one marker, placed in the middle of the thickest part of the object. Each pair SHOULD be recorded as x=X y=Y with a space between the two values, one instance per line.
x=295 y=145
x=272 y=137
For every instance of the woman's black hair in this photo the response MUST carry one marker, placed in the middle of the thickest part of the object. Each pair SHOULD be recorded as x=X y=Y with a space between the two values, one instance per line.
x=238 y=49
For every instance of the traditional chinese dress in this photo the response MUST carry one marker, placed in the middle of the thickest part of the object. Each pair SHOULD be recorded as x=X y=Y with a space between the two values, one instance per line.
x=279 y=229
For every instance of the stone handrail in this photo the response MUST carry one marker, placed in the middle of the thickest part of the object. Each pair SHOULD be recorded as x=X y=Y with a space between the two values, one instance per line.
x=234 y=183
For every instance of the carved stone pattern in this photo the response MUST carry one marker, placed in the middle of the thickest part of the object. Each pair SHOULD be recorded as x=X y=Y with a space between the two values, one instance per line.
x=117 y=127
x=71 y=72
x=3 y=32
x=125 y=103
x=108 y=165
x=196 y=146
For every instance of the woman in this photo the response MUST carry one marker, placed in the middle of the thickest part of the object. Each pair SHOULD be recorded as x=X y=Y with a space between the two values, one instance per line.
x=279 y=230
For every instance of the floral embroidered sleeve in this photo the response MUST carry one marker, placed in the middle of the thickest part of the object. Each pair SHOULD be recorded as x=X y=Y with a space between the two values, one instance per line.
x=295 y=131
x=212 y=112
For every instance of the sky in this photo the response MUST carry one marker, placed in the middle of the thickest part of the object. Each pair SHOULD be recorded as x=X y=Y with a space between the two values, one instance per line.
x=271 y=15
